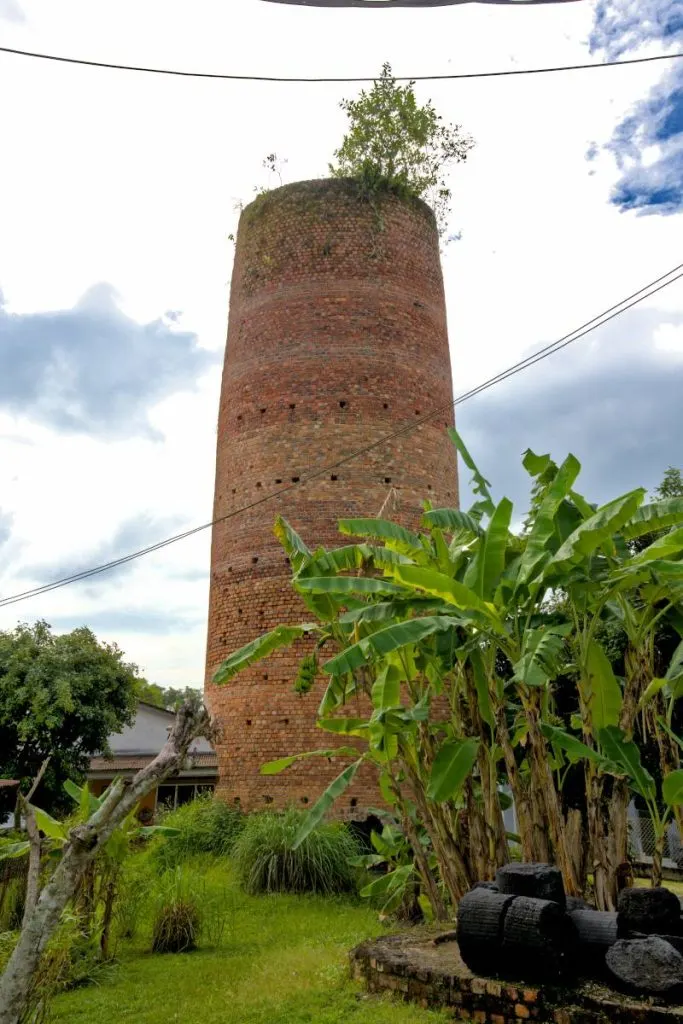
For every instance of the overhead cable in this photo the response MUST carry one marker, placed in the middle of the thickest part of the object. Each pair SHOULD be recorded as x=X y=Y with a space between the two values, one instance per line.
x=312 y=81
x=661 y=282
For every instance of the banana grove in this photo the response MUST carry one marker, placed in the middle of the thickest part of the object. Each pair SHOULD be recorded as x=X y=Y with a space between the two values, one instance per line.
x=473 y=659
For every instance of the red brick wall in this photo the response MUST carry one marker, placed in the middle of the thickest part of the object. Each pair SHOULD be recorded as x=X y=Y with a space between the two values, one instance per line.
x=337 y=336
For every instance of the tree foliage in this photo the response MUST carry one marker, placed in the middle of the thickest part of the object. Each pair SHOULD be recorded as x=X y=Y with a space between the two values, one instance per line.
x=168 y=697
x=60 y=696
x=671 y=485
x=394 y=143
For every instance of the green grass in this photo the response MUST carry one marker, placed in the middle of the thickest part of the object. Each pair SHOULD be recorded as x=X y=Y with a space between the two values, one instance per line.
x=282 y=960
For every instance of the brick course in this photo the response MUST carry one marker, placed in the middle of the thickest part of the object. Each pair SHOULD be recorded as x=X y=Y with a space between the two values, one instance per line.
x=337 y=336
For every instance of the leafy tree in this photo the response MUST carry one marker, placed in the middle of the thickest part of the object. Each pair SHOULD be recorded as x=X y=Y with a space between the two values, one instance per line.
x=150 y=693
x=394 y=144
x=671 y=485
x=169 y=697
x=60 y=696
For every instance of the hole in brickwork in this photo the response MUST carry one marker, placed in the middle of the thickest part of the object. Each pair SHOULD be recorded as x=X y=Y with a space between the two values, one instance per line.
x=239 y=416
x=387 y=479
x=304 y=799
x=292 y=405
x=237 y=801
x=265 y=675
x=295 y=479
x=259 y=484
x=254 y=559
x=239 y=611
x=342 y=405
x=429 y=487
x=261 y=613
x=229 y=568
x=353 y=801
x=267 y=799
x=334 y=477
x=262 y=411
x=417 y=412
x=249 y=721
x=278 y=481
x=386 y=405
x=285 y=721
x=234 y=490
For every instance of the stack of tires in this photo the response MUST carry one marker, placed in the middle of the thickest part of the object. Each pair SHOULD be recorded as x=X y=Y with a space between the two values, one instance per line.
x=524 y=927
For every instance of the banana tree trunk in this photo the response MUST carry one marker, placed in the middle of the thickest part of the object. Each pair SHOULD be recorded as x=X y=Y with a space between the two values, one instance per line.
x=520 y=796
x=543 y=784
x=576 y=843
x=604 y=871
x=494 y=841
x=84 y=842
x=658 y=857
x=426 y=874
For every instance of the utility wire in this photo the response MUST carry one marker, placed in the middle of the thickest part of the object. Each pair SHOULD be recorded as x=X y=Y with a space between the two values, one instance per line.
x=367 y=78
x=598 y=321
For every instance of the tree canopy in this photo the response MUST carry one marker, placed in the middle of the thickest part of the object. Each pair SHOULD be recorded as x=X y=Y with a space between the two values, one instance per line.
x=395 y=144
x=60 y=696
x=169 y=697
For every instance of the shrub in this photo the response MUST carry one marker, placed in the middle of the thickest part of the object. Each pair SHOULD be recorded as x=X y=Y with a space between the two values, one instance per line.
x=177 y=919
x=206 y=825
x=266 y=861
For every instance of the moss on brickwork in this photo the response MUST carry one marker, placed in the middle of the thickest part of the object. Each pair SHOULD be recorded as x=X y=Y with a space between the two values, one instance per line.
x=264 y=224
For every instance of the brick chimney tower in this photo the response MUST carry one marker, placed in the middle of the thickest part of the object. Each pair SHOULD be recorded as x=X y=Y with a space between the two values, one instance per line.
x=337 y=336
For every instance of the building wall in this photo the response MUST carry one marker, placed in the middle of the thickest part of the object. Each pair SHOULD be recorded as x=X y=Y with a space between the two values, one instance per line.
x=337 y=336
x=148 y=733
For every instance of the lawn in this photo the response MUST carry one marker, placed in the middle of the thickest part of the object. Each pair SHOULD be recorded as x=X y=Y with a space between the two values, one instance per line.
x=281 y=960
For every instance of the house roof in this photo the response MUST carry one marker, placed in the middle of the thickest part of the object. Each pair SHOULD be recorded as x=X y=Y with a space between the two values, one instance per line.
x=6 y=783
x=133 y=762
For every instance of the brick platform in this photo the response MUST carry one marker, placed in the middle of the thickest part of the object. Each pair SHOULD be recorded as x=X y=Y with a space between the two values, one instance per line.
x=416 y=969
x=337 y=337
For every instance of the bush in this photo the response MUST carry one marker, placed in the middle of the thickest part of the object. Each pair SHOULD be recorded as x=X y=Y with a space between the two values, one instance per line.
x=266 y=861
x=206 y=825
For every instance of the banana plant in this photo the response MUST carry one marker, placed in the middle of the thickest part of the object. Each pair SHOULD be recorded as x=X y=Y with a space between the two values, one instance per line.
x=398 y=886
x=452 y=639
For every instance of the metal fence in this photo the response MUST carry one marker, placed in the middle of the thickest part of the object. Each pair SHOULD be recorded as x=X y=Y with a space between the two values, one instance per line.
x=642 y=839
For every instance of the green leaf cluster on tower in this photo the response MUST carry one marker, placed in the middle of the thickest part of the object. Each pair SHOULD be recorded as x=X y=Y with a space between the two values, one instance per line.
x=394 y=144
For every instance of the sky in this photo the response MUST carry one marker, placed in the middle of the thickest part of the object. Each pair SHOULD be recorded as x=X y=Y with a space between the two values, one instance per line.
x=119 y=192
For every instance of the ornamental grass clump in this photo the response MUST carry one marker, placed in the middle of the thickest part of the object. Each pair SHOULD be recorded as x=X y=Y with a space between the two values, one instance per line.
x=268 y=862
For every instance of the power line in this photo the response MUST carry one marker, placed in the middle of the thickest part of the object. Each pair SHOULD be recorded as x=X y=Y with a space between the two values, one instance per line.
x=556 y=346
x=367 y=78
